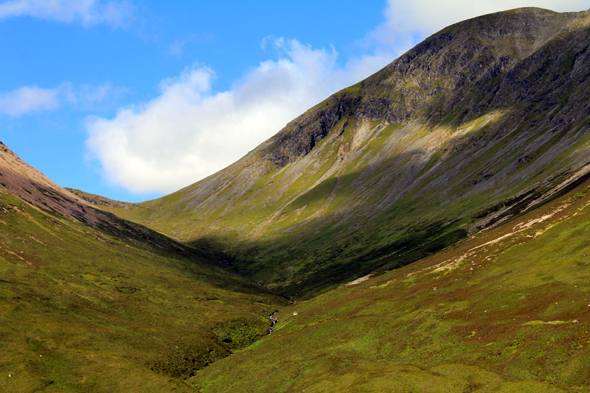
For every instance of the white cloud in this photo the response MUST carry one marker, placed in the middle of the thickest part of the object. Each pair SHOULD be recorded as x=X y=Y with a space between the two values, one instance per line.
x=177 y=47
x=189 y=131
x=90 y=97
x=29 y=99
x=88 y=12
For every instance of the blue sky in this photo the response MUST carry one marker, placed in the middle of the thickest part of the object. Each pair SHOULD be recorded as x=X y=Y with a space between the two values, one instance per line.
x=135 y=99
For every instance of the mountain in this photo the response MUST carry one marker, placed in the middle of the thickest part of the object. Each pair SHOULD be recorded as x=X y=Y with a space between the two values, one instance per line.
x=477 y=124
x=93 y=303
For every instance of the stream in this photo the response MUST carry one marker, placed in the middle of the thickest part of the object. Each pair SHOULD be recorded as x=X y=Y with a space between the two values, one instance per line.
x=273 y=321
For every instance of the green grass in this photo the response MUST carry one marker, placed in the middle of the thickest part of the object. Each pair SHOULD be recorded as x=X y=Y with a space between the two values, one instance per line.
x=84 y=310
x=314 y=198
x=354 y=90
x=511 y=317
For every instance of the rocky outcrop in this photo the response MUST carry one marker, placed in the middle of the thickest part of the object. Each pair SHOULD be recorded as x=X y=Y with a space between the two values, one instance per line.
x=472 y=60
x=300 y=136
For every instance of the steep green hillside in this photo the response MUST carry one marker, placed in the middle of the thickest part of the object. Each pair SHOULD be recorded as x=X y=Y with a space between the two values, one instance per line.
x=92 y=303
x=507 y=310
x=476 y=124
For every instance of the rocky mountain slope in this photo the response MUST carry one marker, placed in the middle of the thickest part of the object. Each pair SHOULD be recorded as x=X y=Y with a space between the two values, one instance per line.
x=99 y=200
x=19 y=179
x=479 y=122
x=27 y=183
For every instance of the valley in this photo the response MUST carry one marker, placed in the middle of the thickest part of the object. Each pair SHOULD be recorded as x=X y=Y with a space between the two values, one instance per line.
x=424 y=230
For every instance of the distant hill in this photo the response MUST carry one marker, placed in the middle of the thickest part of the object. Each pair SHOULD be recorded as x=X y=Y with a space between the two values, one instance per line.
x=101 y=201
x=480 y=122
x=28 y=184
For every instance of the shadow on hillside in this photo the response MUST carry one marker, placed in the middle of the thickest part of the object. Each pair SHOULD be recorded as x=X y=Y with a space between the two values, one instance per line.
x=197 y=262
